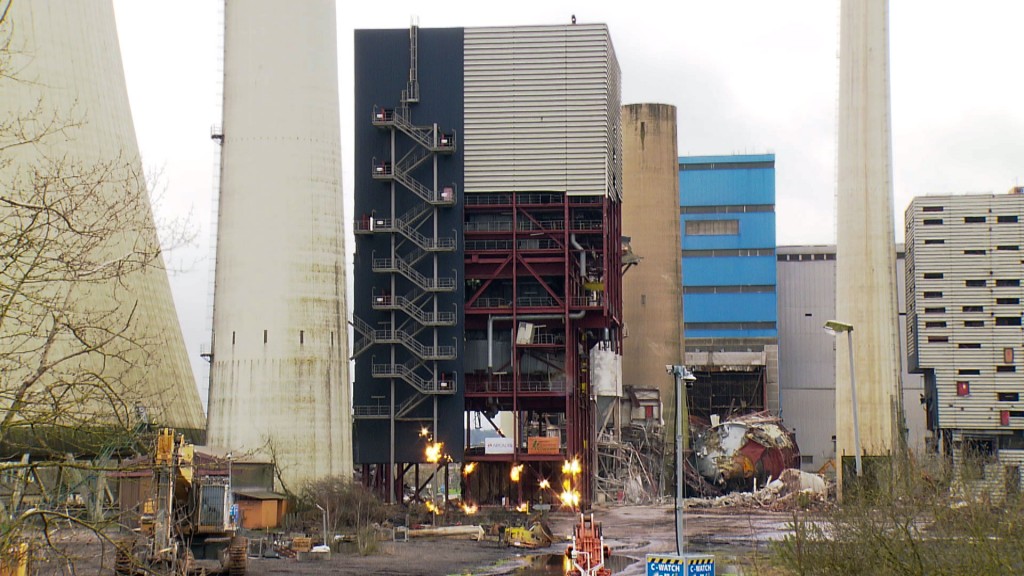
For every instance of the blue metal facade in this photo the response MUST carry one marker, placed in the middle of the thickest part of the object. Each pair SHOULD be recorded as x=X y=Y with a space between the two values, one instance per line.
x=727 y=219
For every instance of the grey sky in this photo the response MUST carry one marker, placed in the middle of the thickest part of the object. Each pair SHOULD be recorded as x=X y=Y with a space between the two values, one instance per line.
x=746 y=76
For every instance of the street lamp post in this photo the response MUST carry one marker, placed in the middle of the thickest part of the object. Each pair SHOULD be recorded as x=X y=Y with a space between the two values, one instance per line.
x=835 y=327
x=324 y=511
x=231 y=492
x=680 y=374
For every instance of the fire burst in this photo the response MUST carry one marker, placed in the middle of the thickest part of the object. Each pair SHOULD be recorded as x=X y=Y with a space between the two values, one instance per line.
x=544 y=484
x=523 y=507
x=570 y=498
x=468 y=468
x=470 y=509
x=516 y=472
x=431 y=507
x=572 y=467
x=424 y=432
x=434 y=452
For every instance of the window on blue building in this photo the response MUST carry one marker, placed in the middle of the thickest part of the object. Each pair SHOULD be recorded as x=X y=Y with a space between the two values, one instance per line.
x=712 y=227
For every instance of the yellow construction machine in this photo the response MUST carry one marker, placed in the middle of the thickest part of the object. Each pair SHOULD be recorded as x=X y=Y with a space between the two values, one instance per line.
x=535 y=534
x=188 y=517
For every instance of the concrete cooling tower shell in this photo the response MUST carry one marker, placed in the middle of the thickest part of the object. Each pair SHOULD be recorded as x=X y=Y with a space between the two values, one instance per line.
x=100 y=320
x=652 y=291
x=279 y=380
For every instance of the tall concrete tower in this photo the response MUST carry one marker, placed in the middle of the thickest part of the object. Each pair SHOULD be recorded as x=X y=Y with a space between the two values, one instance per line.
x=279 y=380
x=652 y=292
x=87 y=303
x=866 y=261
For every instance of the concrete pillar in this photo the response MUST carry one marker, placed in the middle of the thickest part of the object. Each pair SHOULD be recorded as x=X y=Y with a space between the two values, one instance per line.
x=866 y=260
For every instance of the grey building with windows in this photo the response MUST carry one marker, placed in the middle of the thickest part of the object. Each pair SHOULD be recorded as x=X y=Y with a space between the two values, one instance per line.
x=963 y=287
x=807 y=355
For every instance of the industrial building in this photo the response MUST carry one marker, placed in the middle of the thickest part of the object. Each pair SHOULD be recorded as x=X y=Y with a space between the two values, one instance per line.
x=963 y=271
x=807 y=355
x=487 y=263
x=727 y=211
x=279 y=382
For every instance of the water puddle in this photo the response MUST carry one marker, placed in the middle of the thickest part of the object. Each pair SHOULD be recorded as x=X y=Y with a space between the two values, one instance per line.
x=552 y=564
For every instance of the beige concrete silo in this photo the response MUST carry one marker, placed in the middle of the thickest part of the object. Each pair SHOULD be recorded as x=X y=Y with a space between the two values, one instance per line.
x=652 y=298
x=279 y=381
x=865 y=254
x=88 y=332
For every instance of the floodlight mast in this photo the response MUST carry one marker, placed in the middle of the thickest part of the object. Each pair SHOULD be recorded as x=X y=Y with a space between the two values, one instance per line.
x=680 y=375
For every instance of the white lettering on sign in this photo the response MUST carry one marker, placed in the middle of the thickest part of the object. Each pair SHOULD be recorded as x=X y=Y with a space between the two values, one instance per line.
x=669 y=567
x=701 y=569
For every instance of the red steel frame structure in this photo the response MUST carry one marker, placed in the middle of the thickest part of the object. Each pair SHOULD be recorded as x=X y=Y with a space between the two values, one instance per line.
x=551 y=262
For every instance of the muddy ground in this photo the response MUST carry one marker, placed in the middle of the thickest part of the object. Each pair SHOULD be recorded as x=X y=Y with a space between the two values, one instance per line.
x=632 y=531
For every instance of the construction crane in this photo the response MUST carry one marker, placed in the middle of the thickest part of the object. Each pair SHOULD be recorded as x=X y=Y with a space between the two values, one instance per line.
x=189 y=516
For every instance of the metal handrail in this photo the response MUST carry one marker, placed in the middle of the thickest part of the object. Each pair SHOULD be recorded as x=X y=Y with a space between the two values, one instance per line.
x=407 y=374
x=492 y=303
x=406 y=305
x=442 y=284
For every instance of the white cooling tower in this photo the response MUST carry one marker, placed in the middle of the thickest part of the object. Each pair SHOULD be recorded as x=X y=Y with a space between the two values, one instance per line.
x=866 y=259
x=116 y=343
x=279 y=381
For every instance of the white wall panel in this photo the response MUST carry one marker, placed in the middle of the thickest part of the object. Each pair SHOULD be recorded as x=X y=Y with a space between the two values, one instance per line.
x=541 y=110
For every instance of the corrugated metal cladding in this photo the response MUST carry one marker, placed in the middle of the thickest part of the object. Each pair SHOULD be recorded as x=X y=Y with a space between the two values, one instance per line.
x=727 y=180
x=737 y=253
x=542 y=110
x=964 y=283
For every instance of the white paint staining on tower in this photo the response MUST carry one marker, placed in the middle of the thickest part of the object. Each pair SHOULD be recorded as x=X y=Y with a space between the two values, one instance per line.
x=866 y=260
x=279 y=381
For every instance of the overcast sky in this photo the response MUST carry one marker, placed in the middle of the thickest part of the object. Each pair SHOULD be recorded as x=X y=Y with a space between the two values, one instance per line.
x=746 y=76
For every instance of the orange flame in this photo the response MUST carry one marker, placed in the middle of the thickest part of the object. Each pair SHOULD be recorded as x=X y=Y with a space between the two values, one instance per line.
x=544 y=484
x=434 y=452
x=431 y=507
x=523 y=507
x=516 y=472
x=572 y=467
x=470 y=509
x=424 y=432
x=468 y=468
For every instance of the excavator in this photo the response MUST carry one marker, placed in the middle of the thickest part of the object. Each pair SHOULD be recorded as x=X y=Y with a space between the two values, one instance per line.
x=189 y=517
x=587 y=555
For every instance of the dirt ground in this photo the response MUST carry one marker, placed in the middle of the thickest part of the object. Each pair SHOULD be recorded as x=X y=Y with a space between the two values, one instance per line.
x=631 y=531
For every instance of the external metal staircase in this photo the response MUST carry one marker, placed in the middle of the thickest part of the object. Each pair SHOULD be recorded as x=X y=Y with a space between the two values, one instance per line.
x=412 y=265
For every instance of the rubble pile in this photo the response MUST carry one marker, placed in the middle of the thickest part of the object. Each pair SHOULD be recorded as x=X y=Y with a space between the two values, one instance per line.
x=794 y=489
x=631 y=468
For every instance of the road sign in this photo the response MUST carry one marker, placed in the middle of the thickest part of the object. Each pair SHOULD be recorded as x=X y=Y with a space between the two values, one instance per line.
x=689 y=565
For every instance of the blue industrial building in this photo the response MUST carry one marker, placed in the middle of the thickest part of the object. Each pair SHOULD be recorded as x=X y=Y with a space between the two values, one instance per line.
x=727 y=219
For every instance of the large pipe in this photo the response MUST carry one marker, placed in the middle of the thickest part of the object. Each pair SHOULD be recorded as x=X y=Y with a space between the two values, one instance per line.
x=583 y=254
x=525 y=317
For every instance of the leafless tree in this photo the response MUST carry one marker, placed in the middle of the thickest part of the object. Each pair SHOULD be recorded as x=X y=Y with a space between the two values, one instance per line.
x=77 y=242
